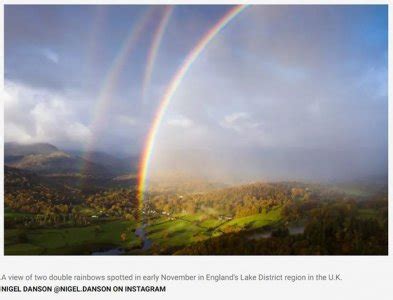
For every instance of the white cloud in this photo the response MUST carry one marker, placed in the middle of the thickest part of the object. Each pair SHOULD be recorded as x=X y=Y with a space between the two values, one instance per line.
x=77 y=132
x=127 y=120
x=239 y=121
x=13 y=130
x=50 y=55
x=36 y=115
x=180 y=121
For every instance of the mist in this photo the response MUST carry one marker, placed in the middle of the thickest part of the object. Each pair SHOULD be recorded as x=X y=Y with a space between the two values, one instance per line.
x=304 y=100
x=236 y=166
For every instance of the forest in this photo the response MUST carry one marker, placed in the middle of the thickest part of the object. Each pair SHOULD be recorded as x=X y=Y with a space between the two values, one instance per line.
x=48 y=215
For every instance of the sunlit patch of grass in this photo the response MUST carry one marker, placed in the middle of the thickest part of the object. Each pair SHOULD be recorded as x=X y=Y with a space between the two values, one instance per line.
x=71 y=240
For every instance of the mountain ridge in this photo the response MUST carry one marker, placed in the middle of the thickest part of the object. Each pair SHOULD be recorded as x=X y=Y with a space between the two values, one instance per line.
x=46 y=159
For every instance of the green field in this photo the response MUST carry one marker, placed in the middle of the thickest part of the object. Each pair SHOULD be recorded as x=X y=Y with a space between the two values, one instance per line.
x=255 y=221
x=182 y=230
x=174 y=233
x=164 y=233
x=14 y=216
x=367 y=213
x=73 y=240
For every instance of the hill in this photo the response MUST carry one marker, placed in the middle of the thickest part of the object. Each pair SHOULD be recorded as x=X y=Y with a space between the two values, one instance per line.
x=48 y=159
x=118 y=166
x=17 y=149
x=29 y=192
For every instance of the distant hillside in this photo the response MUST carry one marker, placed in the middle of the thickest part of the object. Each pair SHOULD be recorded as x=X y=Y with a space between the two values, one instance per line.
x=118 y=166
x=48 y=159
x=17 y=149
x=18 y=181
x=31 y=193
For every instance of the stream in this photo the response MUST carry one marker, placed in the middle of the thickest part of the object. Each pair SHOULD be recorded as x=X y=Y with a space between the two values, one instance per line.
x=114 y=251
x=141 y=233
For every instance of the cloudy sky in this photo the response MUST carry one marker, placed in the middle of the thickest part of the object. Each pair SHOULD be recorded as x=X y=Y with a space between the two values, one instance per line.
x=281 y=92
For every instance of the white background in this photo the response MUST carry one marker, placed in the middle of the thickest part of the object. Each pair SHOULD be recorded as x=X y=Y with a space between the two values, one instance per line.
x=364 y=277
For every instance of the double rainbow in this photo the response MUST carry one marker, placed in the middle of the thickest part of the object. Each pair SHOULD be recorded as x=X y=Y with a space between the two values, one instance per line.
x=112 y=76
x=155 y=45
x=117 y=66
x=111 y=80
x=170 y=91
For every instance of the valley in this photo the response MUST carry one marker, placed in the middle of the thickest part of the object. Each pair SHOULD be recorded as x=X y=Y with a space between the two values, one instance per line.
x=55 y=211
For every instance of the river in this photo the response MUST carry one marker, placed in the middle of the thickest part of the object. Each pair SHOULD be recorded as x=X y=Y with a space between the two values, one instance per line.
x=141 y=233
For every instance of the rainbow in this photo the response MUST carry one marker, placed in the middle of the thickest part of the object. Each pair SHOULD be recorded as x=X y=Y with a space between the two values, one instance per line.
x=111 y=79
x=152 y=54
x=99 y=19
x=170 y=91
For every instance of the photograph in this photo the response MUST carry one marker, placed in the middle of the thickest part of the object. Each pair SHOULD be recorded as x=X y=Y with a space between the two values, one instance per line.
x=194 y=130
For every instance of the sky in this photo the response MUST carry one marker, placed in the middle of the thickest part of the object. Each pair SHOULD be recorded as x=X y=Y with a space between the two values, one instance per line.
x=281 y=92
